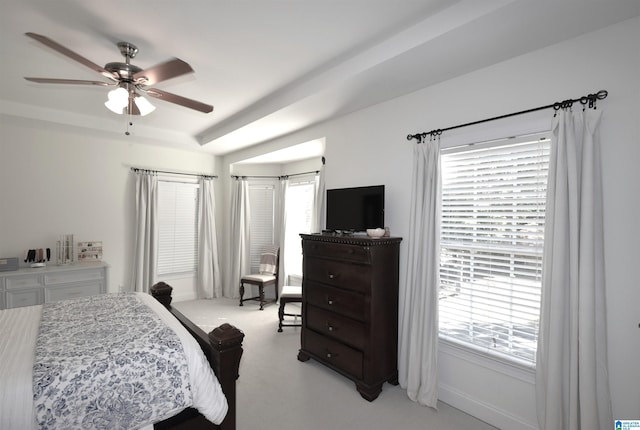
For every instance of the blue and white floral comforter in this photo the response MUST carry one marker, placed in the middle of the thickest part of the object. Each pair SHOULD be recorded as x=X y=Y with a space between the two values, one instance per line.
x=108 y=362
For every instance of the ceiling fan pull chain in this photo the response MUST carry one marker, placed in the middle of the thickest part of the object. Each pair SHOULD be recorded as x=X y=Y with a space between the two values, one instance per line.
x=129 y=123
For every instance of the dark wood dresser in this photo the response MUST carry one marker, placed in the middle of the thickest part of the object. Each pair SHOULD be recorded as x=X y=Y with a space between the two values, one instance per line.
x=350 y=307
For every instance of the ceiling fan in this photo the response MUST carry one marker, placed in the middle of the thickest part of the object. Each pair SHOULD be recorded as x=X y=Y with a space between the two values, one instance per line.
x=130 y=81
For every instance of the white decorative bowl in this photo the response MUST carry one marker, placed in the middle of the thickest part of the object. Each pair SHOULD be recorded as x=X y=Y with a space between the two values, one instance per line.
x=375 y=232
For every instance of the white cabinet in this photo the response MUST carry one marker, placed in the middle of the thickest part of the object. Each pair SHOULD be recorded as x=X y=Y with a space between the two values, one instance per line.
x=26 y=287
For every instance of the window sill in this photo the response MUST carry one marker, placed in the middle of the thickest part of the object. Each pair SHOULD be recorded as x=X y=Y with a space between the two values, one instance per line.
x=181 y=275
x=489 y=360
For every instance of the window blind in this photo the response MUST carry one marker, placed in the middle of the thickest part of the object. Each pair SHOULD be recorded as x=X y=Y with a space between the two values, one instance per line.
x=177 y=227
x=261 y=200
x=492 y=231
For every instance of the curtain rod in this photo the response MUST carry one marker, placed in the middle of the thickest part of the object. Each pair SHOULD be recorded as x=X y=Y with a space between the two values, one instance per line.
x=588 y=99
x=275 y=177
x=136 y=169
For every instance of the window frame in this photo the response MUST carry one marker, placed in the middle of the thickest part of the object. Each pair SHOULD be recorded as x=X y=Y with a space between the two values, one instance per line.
x=193 y=185
x=453 y=343
x=306 y=180
x=256 y=247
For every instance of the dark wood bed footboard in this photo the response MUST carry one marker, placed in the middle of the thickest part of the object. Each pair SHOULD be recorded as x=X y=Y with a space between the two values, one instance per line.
x=223 y=349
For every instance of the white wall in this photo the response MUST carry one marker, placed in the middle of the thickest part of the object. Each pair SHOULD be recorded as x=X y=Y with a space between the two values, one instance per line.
x=370 y=147
x=56 y=180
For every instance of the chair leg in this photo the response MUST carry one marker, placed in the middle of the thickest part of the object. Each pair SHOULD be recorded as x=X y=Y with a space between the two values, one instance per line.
x=261 y=290
x=241 y=292
x=280 y=315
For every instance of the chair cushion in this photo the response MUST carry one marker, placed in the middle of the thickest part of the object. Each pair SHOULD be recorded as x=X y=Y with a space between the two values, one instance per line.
x=291 y=291
x=259 y=278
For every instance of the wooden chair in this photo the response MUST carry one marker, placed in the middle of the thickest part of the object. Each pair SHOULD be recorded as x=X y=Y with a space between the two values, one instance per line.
x=290 y=294
x=267 y=277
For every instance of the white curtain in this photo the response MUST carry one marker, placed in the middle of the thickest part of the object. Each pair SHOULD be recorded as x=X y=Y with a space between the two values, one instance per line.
x=209 y=282
x=418 y=307
x=317 y=221
x=239 y=243
x=282 y=221
x=146 y=231
x=571 y=370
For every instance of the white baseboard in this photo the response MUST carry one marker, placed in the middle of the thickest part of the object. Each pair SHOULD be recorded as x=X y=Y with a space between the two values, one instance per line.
x=481 y=410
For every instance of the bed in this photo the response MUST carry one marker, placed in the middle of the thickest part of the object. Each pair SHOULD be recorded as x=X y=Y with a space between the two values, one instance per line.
x=116 y=361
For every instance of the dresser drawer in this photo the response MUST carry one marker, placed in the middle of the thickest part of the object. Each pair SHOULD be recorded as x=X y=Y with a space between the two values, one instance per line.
x=24 y=281
x=334 y=353
x=54 y=294
x=344 y=302
x=56 y=278
x=336 y=326
x=339 y=251
x=355 y=277
x=24 y=297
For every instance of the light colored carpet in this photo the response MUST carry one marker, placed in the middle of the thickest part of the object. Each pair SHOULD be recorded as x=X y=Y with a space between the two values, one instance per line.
x=278 y=392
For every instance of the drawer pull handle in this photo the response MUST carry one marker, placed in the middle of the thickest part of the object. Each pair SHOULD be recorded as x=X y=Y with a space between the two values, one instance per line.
x=331 y=354
x=330 y=302
x=330 y=327
x=331 y=276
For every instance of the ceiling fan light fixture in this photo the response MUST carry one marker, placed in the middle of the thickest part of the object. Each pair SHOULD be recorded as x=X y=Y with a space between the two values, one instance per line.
x=118 y=100
x=144 y=106
x=114 y=107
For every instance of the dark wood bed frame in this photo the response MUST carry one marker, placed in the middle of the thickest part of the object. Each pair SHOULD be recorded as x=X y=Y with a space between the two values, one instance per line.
x=223 y=348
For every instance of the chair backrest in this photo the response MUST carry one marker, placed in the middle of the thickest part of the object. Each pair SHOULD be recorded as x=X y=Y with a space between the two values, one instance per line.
x=270 y=260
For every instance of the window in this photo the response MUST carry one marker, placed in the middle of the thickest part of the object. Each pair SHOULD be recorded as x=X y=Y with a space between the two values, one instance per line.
x=300 y=198
x=493 y=211
x=177 y=227
x=262 y=202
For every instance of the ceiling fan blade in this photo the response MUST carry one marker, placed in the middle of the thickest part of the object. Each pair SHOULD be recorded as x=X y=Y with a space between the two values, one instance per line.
x=183 y=101
x=69 y=53
x=69 y=81
x=162 y=72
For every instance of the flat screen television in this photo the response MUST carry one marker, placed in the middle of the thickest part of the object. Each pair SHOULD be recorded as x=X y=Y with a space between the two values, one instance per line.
x=355 y=209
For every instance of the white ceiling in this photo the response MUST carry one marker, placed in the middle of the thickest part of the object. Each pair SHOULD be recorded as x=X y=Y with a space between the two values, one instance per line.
x=269 y=67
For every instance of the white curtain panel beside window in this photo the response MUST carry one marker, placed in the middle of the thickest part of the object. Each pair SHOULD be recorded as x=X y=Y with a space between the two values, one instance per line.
x=240 y=253
x=209 y=280
x=318 y=221
x=146 y=226
x=282 y=219
x=418 y=305
x=572 y=384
